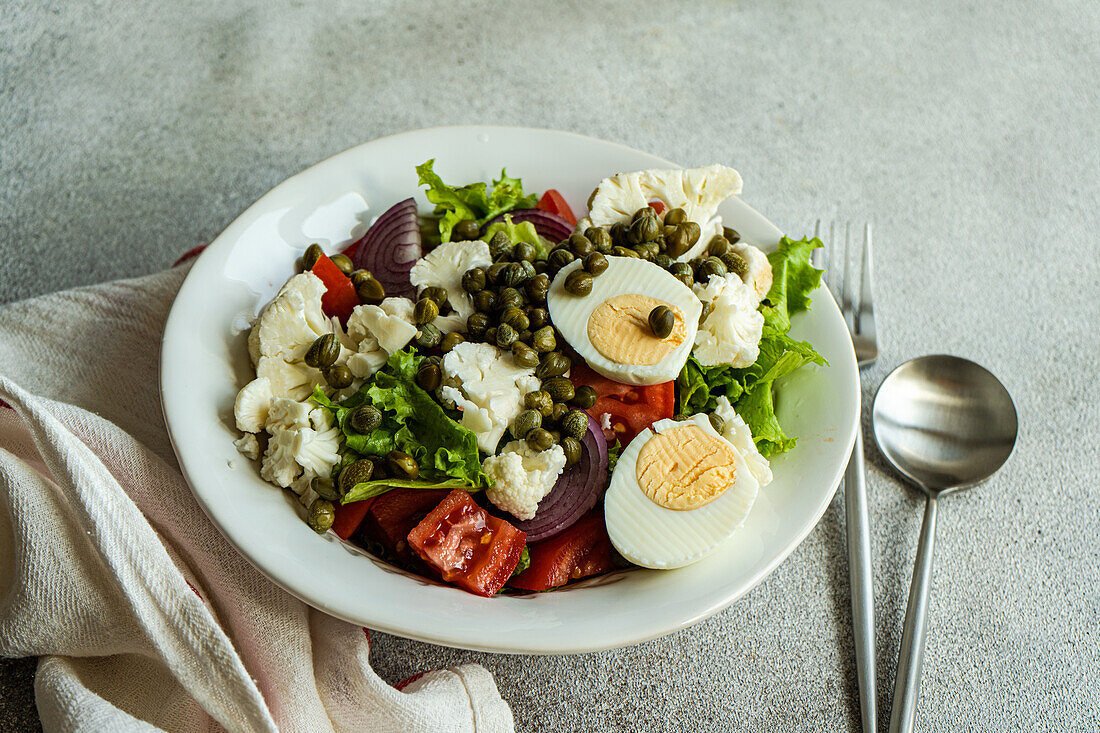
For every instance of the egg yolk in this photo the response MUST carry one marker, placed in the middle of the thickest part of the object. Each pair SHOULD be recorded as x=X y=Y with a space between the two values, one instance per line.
x=685 y=468
x=619 y=329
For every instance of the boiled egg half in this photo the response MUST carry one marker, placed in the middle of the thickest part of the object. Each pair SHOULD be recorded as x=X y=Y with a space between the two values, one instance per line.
x=678 y=491
x=609 y=327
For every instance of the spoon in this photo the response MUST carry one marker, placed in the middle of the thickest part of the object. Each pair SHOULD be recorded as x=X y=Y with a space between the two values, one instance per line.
x=945 y=424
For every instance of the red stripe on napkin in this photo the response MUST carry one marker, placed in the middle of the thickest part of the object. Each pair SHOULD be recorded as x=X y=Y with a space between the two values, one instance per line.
x=189 y=254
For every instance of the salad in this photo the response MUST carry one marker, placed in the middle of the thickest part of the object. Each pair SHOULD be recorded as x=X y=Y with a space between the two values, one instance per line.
x=498 y=395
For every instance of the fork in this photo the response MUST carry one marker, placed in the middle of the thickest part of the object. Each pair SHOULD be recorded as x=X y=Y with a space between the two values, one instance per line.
x=859 y=316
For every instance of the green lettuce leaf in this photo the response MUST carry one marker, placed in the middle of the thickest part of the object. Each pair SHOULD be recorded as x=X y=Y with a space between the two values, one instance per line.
x=524 y=561
x=472 y=201
x=412 y=422
x=371 y=489
x=793 y=278
x=523 y=232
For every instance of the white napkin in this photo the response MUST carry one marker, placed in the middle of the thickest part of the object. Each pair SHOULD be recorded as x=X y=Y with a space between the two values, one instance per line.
x=144 y=616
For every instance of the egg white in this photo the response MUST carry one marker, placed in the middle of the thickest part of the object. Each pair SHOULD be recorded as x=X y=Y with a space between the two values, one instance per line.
x=649 y=535
x=624 y=275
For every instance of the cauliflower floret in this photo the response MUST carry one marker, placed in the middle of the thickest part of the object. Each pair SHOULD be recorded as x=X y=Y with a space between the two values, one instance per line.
x=759 y=274
x=731 y=333
x=737 y=432
x=303 y=487
x=318 y=450
x=698 y=191
x=291 y=322
x=288 y=414
x=488 y=388
x=252 y=404
x=294 y=380
x=279 y=466
x=522 y=477
x=444 y=267
x=605 y=420
x=248 y=446
x=390 y=332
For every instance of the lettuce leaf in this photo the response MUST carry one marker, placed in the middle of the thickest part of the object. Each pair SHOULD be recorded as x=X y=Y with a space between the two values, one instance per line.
x=412 y=422
x=377 y=487
x=752 y=390
x=472 y=201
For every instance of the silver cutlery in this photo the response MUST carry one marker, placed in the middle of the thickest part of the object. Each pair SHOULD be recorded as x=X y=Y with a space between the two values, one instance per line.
x=945 y=424
x=859 y=315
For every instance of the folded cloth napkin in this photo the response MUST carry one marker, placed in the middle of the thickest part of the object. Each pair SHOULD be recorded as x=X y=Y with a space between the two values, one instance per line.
x=143 y=615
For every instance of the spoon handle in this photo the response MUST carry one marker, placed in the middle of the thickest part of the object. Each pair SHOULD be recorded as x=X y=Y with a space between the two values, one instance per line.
x=907 y=681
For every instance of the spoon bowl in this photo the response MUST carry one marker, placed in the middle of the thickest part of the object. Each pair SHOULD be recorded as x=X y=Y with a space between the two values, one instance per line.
x=945 y=423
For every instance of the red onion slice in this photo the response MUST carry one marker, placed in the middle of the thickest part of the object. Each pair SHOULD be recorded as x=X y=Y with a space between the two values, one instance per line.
x=551 y=227
x=390 y=248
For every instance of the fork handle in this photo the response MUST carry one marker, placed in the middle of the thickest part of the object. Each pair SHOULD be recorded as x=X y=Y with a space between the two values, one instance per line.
x=859 y=576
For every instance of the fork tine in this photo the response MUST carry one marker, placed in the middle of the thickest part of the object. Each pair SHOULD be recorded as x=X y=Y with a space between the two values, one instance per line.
x=819 y=258
x=866 y=314
x=846 y=288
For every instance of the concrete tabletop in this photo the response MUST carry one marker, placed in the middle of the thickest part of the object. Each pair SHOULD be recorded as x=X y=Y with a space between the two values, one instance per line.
x=968 y=132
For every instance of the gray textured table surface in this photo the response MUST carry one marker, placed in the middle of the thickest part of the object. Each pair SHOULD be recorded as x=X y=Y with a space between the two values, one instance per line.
x=967 y=131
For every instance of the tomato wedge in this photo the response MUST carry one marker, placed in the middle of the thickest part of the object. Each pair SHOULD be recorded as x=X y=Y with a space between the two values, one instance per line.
x=340 y=297
x=349 y=517
x=553 y=202
x=389 y=517
x=468 y=546
x=658 y=206
x=632 y=408
x=582 y=550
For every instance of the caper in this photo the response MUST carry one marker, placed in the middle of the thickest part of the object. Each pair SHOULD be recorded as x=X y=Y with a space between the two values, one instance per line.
x=476 y=325
x=693 y=232
x=496 y=272
x=380 y=470
x=343 y=263
x=646 y=212
x=537 y=288
x=559 y=258
x=509 y=296
x=595 y=264
x=427 y=336
x=540 y=266
x=429 y=377
x=600 y=239
x=523 y=355
x=623 y=251
x=573 y=449
x=513 y=275
x=425 y=311
x=584 y=397
x=525 y=336
x=544 y=341
x=553 y=364
x=321 y=516
x=356 y=473
x=485 y=301
x=557 y=412
x=538 y=317
x=645 y=229
x=370 y=290
x=338 y=376
x=579 y=283
x=735 y=263
x=490 y=336
x=525 y=422
x=731 y=234
x=465 y=230
x=580 y=246
x=712 y=266
x=524 y=251
x=560 y=389
x=676 y=243
x=707 y=307
x=323 y=352
x=663 y=261
x=555 y=435
x=438 y=294
x=366 y=418
x=619 y=233
x=716 y=421
x=682 y=271
x=402 y=465
x=515 y=317
x=311 y=255
x=450 y=341
x=539 y=440
x=574 y=423
x=675 y=216
x=661 y=321
x=506 y=335
x=499 y=244
x=528 y=269
x=647 y=250
x=718 y=245
x=325 y=488
x=473 y=280
x=539 y=400
x=359 y=276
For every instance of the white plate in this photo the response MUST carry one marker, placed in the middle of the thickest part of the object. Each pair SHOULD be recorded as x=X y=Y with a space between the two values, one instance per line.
x=204 y=361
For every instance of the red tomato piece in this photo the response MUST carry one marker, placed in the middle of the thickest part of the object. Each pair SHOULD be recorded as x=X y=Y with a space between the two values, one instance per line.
x=392 y=515
x=658 y=206
x=632 y=408
x=580 y=551
x=340 y=297
x=349 y=517
x=553 y=202
x=468 y=546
